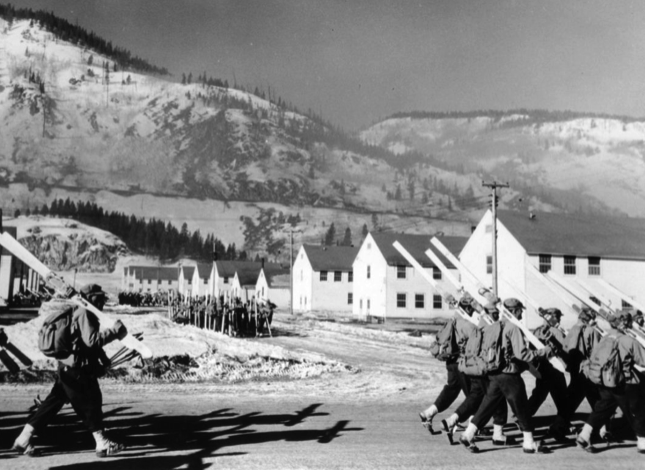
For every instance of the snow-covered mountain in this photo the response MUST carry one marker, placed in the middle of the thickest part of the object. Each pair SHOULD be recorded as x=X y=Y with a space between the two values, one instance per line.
x=72 y=126
x=75 y=124
x=579 y=161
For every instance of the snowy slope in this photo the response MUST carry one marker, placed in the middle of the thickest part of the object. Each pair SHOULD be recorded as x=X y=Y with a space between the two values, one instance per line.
x=595 y=161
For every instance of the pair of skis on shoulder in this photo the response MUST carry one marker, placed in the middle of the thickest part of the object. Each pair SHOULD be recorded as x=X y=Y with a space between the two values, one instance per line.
x=479 y=292
x=445 y=294
x=63 y=288
x=584 y=293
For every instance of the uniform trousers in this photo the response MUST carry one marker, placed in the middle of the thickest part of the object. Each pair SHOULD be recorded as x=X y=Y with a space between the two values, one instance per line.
x=504 y=387
x=630 y=400
x=78 y=388
x=478 y=387
x=553 y=382
x=456 y=382
x=580 y=387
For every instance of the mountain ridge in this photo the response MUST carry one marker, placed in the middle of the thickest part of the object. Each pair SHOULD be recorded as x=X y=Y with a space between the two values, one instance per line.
x=72 y=127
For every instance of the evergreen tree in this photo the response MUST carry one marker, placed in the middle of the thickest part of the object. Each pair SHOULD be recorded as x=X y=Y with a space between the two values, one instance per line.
x=330 y=236
x=365 y=231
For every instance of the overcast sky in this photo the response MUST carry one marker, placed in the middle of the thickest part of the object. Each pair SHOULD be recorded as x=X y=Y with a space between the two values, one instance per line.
x=358 y=61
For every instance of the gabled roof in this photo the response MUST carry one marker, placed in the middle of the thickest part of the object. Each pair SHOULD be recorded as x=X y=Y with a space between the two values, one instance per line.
x=204 y=270
x=226 y=268
x=331 y=258
x=163 y=273
x=244 y=269
x=416 y=245
x=561 y=234
x=188 y=271
x=248 y=278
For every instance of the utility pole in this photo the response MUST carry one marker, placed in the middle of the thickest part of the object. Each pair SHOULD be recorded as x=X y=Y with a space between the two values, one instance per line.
x=291 y=272
x=494 y=185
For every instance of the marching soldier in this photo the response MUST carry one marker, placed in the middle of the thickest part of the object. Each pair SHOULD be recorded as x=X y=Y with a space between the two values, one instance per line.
x=478 y=386
x=578 y=344
x=627 y=393
x=507 y=384
x=456 y=381
x=551 y=380
x=77 y=381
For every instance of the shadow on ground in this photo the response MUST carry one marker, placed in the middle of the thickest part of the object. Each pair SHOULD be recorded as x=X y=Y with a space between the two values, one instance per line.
x=149 y=436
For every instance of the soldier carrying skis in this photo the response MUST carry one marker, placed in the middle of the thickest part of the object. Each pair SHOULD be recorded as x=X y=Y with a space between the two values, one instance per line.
x=77 y=342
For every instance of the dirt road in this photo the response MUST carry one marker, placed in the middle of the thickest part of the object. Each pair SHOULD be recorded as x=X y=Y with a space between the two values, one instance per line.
x=367 y=419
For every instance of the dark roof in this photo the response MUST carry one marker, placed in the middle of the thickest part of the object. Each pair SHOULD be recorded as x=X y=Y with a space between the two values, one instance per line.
x=248 y=278
x=561 y=234
x=188 y=271
x=331 y=258
x=416 y=245
x=155 y=272
x=244 y=268
x=204 y=270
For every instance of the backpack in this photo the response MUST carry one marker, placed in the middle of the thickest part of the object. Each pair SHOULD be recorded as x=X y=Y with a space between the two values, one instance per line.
x=573 y=338
x=604 y=367
x=491 y=354
x=469 y=362
x=445 y=347
x=56 y=336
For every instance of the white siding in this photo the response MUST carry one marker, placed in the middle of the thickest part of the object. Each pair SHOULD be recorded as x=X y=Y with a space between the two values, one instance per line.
x=381 y=289
x=302 y=282
x=627 y=275
x=331 y=295
x=369 y=293
x=277 y=295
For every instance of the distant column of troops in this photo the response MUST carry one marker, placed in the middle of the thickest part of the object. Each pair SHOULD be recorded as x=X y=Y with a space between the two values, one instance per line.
x=225 y=315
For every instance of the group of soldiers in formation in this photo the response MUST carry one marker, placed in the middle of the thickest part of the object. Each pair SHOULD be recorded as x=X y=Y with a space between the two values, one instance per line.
x=228 y=315
x=28 y=298
x=487 y=395
x=145 y=299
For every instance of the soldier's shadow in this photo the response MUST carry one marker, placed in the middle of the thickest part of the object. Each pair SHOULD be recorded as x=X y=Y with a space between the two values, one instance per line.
x=196 y=437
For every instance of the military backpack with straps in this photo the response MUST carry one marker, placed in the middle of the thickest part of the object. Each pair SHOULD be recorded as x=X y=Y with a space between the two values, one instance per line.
x=56 y=336
x=604 y=366
x=469 y=362
x=445 y=346
x=491 y=352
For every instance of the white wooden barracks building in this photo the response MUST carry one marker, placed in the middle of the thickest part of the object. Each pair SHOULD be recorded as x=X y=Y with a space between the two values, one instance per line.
x=323 y=279
x=586 y=248
x=387 y=286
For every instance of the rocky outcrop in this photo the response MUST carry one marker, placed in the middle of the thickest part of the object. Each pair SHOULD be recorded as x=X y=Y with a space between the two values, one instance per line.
x=81 y=251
